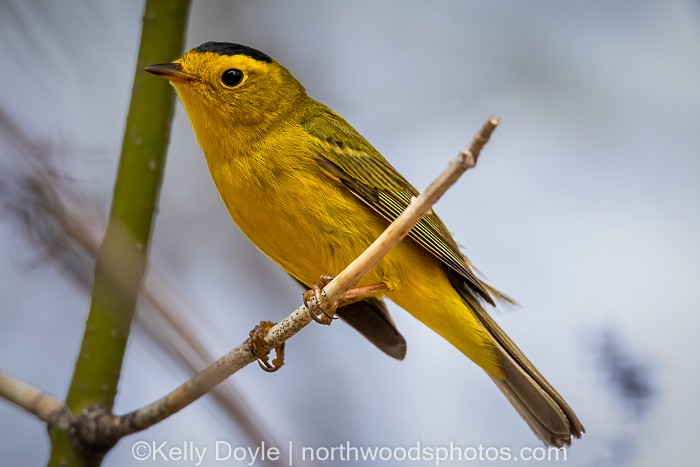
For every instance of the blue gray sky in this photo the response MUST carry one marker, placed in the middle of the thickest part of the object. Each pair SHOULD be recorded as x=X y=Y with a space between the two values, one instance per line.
x=584 y=207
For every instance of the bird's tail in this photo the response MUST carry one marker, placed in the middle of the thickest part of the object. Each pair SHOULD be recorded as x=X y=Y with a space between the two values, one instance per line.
x=544 y=410
x=540 y=405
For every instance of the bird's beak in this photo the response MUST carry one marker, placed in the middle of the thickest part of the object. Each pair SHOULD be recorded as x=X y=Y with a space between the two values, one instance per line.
x=169 y=71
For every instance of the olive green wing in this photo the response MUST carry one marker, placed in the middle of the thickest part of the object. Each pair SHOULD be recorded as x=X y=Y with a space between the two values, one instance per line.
x=347 y=156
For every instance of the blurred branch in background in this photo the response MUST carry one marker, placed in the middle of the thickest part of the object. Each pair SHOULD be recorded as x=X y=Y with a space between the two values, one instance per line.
x=53 y=216
x=629 y=379
x=64 y=225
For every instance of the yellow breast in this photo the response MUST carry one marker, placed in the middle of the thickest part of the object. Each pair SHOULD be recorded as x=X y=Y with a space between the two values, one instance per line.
x=291 y=210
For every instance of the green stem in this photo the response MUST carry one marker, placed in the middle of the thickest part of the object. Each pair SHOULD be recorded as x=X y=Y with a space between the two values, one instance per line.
x=123 y=254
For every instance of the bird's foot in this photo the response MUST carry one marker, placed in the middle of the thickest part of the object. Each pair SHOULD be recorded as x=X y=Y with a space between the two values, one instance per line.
x=327 y=309
x=259 y=348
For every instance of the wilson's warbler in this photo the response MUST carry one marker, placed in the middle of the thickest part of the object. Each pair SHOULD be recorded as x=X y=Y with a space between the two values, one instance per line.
x=312 y=194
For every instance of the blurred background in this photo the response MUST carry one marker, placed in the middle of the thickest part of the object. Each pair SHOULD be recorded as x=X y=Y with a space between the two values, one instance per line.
x=584 y=207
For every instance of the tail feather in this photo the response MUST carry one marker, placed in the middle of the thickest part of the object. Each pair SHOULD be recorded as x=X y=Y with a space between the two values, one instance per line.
x=551 y=419
x=540 y=405
x=544 y=410
x=371 y=318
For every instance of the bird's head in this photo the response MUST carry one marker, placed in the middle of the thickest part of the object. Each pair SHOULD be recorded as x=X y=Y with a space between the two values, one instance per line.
x=230 y=88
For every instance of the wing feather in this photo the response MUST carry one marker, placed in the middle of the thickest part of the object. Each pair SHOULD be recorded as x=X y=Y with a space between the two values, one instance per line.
x=348 y=157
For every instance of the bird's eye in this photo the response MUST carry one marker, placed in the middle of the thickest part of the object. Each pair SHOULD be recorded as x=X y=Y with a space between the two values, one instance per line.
x=232 y=77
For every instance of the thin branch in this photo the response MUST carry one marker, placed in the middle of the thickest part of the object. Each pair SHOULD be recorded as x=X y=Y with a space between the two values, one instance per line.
x=45 y=406
x=96 y=426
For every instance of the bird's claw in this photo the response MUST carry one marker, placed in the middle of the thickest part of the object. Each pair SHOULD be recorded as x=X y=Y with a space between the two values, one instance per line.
x=327 y=309
x=259 y=348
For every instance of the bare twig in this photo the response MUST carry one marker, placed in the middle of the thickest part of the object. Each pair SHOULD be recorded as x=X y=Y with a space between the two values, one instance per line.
x=45 y=406
x=97 y=426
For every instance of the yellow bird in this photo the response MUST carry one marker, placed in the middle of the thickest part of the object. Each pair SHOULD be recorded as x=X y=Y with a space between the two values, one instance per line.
x=310 y=192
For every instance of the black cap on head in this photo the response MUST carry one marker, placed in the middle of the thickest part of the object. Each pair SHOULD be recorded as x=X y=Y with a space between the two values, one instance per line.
x=228 y=48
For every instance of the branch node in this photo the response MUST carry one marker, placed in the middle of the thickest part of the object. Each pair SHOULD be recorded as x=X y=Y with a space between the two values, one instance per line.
x=62 y=419
x=95 y=429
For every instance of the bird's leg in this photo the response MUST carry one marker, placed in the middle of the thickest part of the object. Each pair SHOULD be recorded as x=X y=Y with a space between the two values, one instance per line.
x=328 y=309
x=256 y=342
